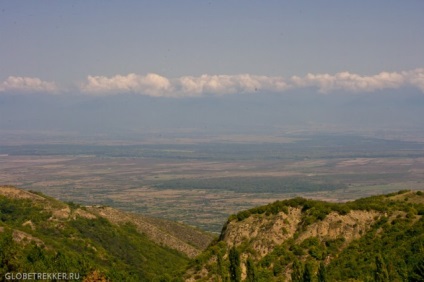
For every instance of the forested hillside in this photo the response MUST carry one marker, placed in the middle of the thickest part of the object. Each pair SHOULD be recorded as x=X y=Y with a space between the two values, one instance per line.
x=378 y=238
x=42 y=235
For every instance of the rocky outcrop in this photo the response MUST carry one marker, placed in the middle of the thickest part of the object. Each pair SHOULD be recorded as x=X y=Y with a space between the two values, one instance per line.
x=263 y=232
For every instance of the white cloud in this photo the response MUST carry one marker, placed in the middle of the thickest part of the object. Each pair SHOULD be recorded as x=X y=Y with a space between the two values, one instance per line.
x=27 y=84
x=186 y=86
x=150 y=84
x=350 y=82
x=156 y=85
x=230 y=84
x=415 y=78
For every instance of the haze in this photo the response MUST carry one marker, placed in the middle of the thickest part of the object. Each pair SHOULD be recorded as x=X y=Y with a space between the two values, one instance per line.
x=131 y=69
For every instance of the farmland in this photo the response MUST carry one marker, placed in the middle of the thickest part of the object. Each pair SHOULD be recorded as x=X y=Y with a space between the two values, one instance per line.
x=202 y=183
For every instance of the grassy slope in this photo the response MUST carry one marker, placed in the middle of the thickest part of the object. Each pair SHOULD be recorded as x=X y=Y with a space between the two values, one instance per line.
x=40 y=234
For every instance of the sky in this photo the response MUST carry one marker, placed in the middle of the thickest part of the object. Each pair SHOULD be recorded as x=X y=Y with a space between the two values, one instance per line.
x=70 y=53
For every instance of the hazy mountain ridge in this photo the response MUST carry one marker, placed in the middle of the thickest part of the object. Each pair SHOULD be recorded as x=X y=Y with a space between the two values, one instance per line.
x=305 y=240
x=261 y=112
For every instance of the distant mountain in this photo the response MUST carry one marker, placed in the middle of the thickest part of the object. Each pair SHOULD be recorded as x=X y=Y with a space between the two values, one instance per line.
x=39 y=234
x=378 y=238
x=128 y=114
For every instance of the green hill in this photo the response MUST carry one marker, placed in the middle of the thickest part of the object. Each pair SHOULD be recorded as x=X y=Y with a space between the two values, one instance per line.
x=378 y=238
x=39 y=234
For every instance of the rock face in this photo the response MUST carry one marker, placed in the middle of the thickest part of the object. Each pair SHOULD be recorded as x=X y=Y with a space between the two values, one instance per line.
x=265 y=232
x=315 y=233
x=350 y=226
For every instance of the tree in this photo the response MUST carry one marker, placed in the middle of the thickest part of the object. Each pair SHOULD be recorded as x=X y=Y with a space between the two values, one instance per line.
x=8 y=250
x=220 y=267
x=251 y=271
x=307 y=273
x=381 y=274
x=417 y=273
x=297 y=271
x=235 y=272
x=322 y=274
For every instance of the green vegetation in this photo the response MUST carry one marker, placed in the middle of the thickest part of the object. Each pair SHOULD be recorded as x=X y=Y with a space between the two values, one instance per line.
x=317 y=210
x=33 y=240
x=235 y=272
x=391 y=249
x=251 y=273
x=322 y=274
x=44 y=235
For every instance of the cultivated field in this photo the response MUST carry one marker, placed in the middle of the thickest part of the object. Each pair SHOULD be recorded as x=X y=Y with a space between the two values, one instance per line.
x=201 y=184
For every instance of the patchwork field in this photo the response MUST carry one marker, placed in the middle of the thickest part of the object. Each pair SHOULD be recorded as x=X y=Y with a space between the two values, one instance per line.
x=202 y=184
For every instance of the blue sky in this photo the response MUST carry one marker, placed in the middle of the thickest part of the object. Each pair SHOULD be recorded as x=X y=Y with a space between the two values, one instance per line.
x=66 y=41
x=100 y=58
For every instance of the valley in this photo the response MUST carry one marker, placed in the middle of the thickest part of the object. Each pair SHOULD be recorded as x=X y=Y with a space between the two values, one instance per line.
x=201 y=184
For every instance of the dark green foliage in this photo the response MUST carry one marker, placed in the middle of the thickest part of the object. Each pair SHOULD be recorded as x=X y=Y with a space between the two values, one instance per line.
x=235 y=272
x=334 y=246
x=221 y=270
x=400 y=242
x=397 y=236
x=82 y=245
x=308 y=273
x=251 y=275
x=278 y=267
x=313 y=210
x=417 y=273
x=133 y=252
x=380 y=274
x=15 y=257
x=322 y=273
x=8 y=252
x=14 y=212
x=297 y=271
x=79 y=245
x=73 y=205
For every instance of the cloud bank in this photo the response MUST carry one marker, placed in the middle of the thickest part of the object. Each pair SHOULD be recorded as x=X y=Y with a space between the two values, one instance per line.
x=27 y=85
x=156 y=85
x=351 y=82
x=151 y=84
x=229 y=84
